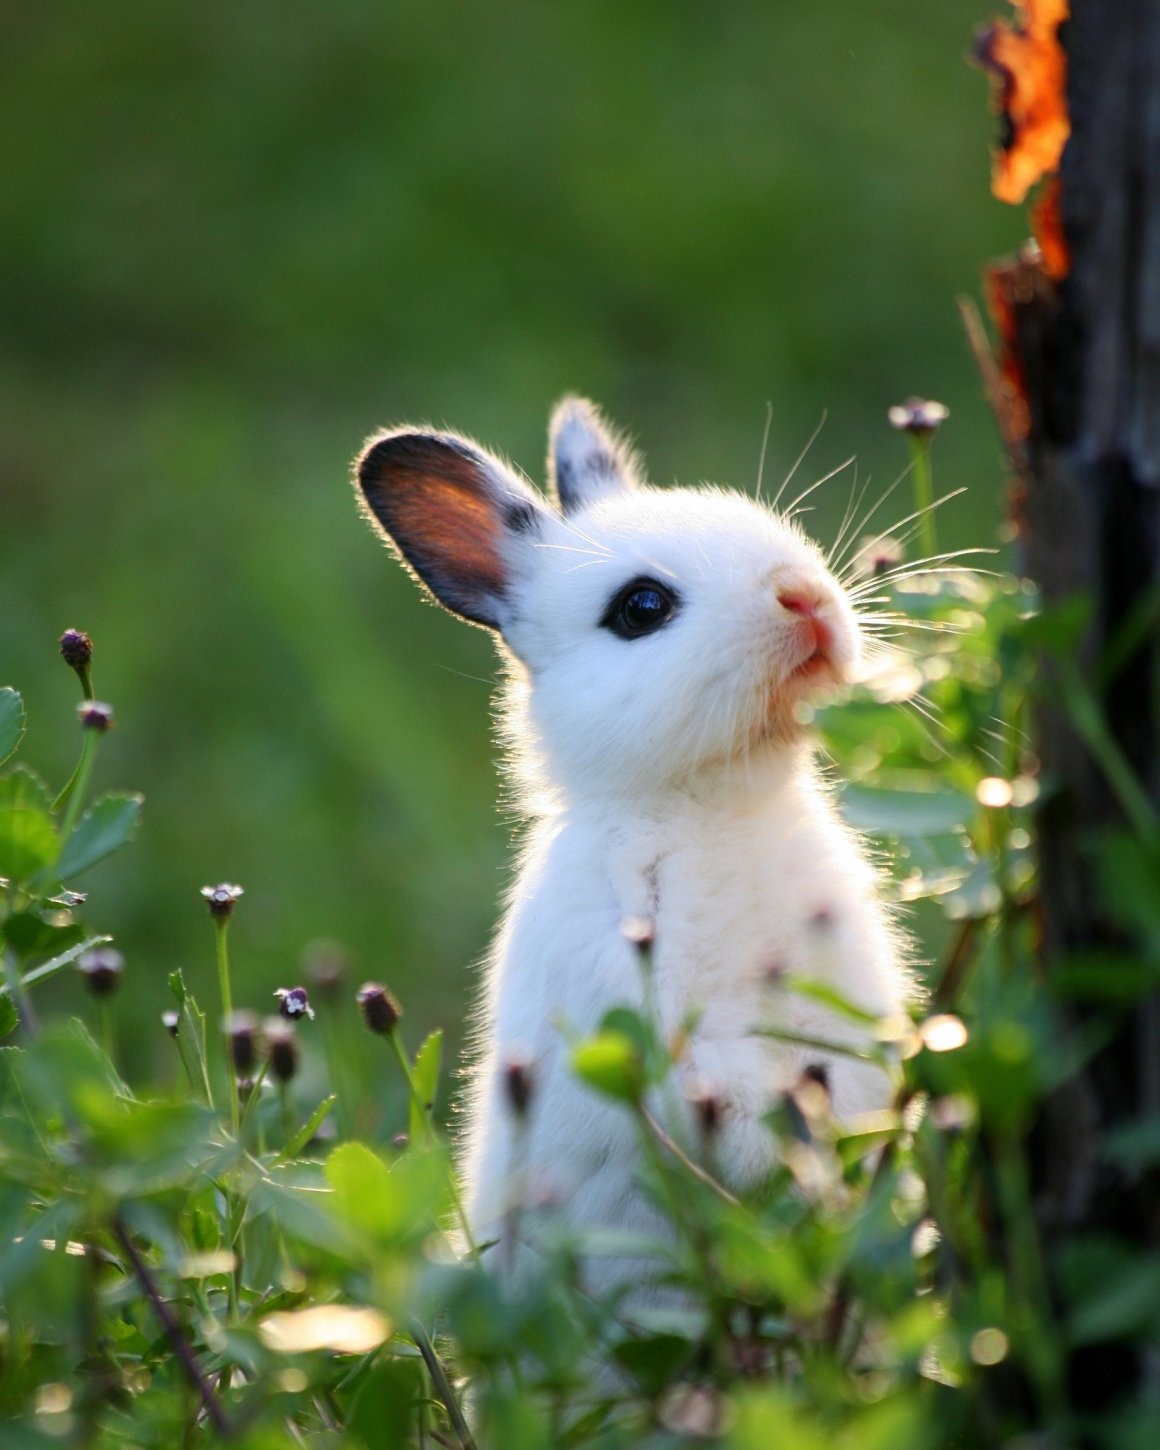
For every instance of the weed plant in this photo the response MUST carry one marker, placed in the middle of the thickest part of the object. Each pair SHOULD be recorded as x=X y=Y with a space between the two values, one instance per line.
x=259 y=1250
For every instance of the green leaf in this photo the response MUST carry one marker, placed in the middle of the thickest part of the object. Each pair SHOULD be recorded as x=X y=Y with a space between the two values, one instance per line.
x=655 y=1361
x=48 y=969
x=906 y=812
x=611 y=1062
x=1134 y=1145
x=389 y=1204
x=426 y=1074
x=191 y=1038
x=308 y=1129
x=11 y=721
x=64 y=1071
x=27 y=835
x=103 y=829
x=8 y=1017
x=30 y=935
x=1123 y=1304
x=828 y=996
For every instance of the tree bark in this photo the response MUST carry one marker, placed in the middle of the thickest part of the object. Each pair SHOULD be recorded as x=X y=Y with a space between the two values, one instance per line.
x=1088 y=348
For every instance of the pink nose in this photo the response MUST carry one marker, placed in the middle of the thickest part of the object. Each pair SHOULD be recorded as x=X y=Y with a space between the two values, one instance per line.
x=799 y=601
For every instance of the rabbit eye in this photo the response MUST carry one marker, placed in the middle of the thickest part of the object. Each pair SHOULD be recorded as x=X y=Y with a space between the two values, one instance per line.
x=639 y=608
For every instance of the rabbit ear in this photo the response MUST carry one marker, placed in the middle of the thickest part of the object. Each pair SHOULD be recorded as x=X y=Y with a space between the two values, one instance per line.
x=585 y=459
x=456 y=514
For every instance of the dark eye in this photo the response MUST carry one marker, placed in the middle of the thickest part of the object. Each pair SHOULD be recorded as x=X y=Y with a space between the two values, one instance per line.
x=639 y=608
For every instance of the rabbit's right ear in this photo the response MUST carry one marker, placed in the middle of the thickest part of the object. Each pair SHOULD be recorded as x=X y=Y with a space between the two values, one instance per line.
x=459 y=517
x=585 y=458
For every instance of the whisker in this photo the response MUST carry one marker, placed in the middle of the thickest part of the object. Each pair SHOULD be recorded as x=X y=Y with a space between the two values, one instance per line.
x=938 y=563
x=805 y=493
x=851 y=508
x=1014 y=729
x=764 y=444
x=813 y=438
x=836 y=562
x=917 y=514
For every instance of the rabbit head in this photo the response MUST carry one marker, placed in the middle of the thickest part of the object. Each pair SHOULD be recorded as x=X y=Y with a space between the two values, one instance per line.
x=652 y=631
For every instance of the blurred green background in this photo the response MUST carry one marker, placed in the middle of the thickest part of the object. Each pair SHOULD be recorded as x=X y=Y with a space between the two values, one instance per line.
x=237 y=238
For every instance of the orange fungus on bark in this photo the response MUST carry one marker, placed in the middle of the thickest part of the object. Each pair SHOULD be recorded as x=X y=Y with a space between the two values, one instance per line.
x=1029 y=66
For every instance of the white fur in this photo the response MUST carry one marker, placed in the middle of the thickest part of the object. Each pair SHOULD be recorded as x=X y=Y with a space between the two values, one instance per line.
x=665 y=777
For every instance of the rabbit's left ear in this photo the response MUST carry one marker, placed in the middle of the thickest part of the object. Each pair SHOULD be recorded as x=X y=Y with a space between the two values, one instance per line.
x=586 y=460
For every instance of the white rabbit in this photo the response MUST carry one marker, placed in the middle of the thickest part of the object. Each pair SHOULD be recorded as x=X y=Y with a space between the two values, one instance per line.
x=660 y=644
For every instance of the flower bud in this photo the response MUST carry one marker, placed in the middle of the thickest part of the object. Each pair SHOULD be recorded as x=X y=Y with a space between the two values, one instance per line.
x=708 y=1108
x=380 y=1011
x=639 y=931
x=170 y=1021
x=294 y=1003
x=919 y=417
x=241 y=1029
x=221 y=900
x=325 y=963
x=76 y=649
x=101 y=969
x=95 y=715
x=281 y=1049
x=518 y=1084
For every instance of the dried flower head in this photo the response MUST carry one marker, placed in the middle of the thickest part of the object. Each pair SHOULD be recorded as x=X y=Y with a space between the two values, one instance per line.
x=101 y=969
x=242 y=1032
x=294 y=1003
x=76 y=649
x=95 y=715
x=380 y=1010
x=919 y=417
x=221 y=900
x=281 y=1049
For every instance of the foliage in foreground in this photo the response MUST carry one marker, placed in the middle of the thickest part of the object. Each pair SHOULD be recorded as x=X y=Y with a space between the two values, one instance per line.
x=214 y=1260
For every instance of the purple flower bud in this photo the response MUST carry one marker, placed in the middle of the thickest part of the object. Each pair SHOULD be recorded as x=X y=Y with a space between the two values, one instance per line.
x=380 y=1011
x=76 y=649
x=221 y=899
x=241 y=1029
x=95 y=715
x=281 y=1049
x=920 y=417
x=101 y=969
x=293 y=1002
x=708 y=1109
x=518 y=1084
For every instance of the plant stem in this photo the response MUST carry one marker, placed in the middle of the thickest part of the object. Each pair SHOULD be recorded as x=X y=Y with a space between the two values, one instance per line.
x=442 y=1386
x=923 y=491
x=699 y=1173
x=24 y=1008
x=221 y=927
x=173 y=1331
x=74 y=793
x=105 y=1020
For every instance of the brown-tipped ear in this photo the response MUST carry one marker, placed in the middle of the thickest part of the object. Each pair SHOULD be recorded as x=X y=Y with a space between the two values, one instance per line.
x=455 y=513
